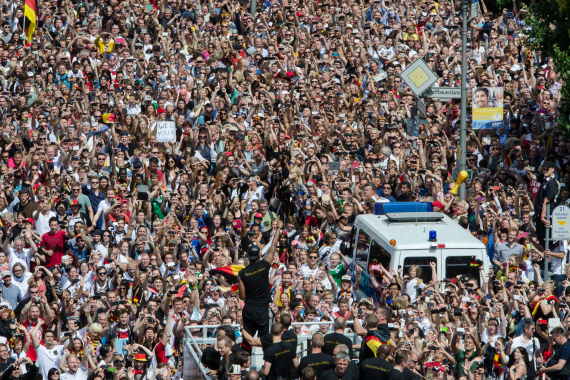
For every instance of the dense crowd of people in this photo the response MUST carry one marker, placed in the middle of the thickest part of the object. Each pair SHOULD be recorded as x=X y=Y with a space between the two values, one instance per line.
x=282 y=128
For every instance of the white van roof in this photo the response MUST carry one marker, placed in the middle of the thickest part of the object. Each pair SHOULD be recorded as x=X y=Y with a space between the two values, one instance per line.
x=411 y=230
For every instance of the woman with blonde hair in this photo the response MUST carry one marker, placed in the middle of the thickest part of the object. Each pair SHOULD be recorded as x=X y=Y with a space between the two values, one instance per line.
x=295 y=181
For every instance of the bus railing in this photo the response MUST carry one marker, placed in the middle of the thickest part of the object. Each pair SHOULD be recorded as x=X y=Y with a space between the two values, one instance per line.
x=194 y=369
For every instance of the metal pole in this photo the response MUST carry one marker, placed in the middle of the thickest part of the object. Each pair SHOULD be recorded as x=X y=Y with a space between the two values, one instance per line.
x=547 y=243
x=252 y=7
x=463 y=136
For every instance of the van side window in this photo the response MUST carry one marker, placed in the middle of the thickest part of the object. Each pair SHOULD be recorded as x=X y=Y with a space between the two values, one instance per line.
x=378 y=255
x=423 y=263
x=460 y=266
x=362 y=248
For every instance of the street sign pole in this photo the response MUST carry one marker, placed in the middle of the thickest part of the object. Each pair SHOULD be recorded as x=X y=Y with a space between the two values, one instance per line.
x=547 y=242
x=252 y=7
x=463 y=136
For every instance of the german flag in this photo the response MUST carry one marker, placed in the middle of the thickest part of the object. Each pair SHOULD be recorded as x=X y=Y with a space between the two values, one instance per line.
x=30 y=14
x=229 y=272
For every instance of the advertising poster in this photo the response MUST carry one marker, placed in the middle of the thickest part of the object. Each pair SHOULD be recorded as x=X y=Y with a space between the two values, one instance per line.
x=488 y=108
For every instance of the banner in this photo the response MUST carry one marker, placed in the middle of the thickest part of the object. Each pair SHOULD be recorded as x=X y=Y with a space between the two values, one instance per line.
x=165 y=131
x=488 y=108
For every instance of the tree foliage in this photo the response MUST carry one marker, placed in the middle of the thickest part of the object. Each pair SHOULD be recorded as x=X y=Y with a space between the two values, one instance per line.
x=549 y=31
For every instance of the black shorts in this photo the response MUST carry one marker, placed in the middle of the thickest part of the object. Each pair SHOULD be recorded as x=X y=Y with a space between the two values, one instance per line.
x=256 y=319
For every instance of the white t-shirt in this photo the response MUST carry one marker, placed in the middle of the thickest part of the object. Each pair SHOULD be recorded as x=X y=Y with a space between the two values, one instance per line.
x=528 y=346
x=23 y=285
x=23 y=258
x=411 y=288
x=259 y=193
x=81 y=374
x=557 y=264
x=308 y=272
x=485 y=336
x=42 y=224
x=47 y=359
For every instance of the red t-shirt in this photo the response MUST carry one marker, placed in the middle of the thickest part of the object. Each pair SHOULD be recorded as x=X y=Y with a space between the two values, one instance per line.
x=53 y=243
x=160 y=352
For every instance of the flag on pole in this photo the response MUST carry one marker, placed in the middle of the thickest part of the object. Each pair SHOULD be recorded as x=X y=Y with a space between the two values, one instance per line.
x=30 y=14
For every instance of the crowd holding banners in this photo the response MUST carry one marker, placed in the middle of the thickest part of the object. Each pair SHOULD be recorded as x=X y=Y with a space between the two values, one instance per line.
x=169 y=164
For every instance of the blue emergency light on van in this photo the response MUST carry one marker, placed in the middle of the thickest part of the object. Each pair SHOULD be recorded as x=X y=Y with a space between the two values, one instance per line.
x=432 y=236
x=398 y=207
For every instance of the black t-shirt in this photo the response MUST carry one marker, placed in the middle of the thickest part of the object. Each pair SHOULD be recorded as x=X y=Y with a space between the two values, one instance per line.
x=348 y=374
x=211 y=358
x=548 y=189
x=255 y=278
x=4 y=366
x=288 y=336
x=396 y=375
x=320 y=362
x=223 y=365
x=281 y=356
x=334 y=339
x=375 y=369
x=404 y=198
x=237 y=348
x=410 y=375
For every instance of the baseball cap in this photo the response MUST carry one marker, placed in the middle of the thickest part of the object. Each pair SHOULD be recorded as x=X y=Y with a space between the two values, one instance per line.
x=548 y=165
x=437 y=204
x=30 y=220
x=345 y=278
x=6 y=273
x=258 y=215
x=74 y=202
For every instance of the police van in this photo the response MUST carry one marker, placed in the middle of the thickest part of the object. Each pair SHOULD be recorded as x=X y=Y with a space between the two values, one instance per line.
x=394 y=237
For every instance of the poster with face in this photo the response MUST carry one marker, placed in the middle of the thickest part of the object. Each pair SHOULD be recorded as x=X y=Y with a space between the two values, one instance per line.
x=488 y=107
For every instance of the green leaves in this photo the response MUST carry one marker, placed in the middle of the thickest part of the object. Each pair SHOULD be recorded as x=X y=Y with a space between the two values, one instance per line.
x=549 y=32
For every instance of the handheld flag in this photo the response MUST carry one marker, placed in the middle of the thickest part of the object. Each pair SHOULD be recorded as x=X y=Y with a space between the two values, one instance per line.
x=230 y=272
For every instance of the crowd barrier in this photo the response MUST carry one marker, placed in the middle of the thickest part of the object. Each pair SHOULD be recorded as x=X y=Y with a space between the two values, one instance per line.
x=194 y=370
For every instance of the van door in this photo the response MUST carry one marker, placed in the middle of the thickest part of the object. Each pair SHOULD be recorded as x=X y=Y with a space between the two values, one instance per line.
x=421 y=259
x=369 y=254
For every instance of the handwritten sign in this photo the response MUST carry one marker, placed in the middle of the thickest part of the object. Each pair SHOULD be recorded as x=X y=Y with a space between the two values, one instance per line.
x=165 y=131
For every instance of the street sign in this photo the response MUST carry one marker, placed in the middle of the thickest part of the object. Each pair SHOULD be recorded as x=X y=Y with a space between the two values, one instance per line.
x=418 y=76
x=443 y=93
x=474 y=8
x=421 y=106
x=561 y=223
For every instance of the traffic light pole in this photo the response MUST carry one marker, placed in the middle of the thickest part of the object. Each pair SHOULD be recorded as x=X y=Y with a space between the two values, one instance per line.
x=463 y=121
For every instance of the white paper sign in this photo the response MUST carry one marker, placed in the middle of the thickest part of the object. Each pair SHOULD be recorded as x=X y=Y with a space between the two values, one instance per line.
x=165 y=131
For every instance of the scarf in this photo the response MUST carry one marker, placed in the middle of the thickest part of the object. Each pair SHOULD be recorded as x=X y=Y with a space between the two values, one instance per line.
x=280 y=291
x=18 y=279
x=497 y=365
x=537 y=304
